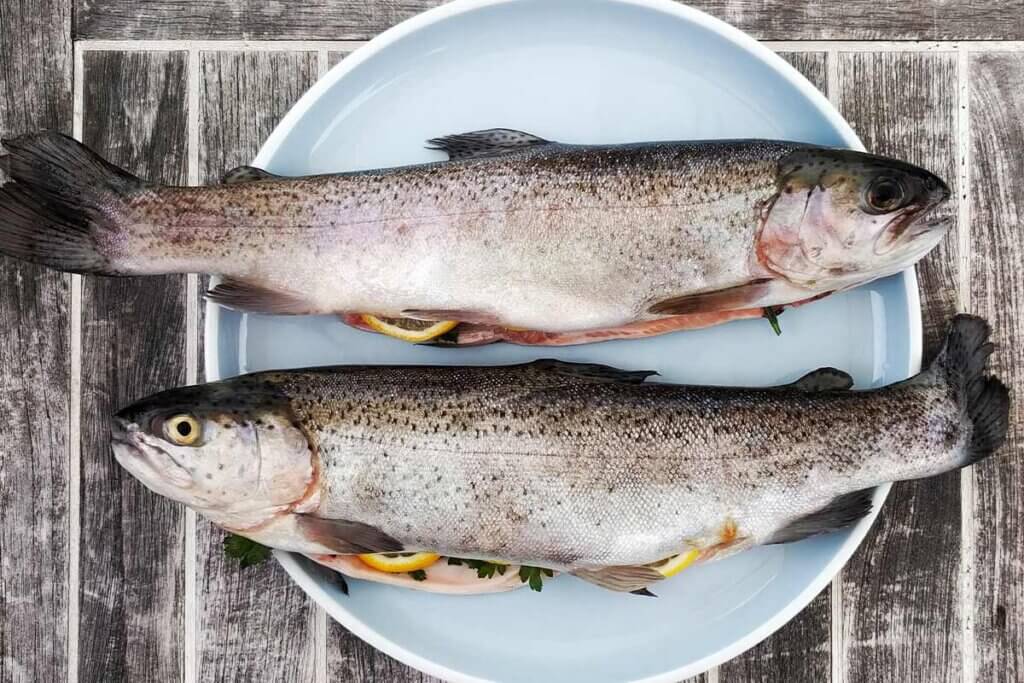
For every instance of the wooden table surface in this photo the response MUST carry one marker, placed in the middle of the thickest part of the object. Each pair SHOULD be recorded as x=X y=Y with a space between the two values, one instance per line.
x=101 y=580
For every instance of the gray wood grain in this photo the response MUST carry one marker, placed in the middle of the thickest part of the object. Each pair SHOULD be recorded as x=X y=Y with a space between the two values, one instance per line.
x=133 y=343
x=802 y=649
x=254 y=623
x=350 y=659
x=35 y=359
x=358 y=19
x=901 y=589
x=799 y=651
x=997 y=292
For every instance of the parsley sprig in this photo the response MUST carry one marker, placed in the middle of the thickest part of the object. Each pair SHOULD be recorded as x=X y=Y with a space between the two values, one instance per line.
x=247 y=551
x=484 y=569
x=534 y=576
x=772 y=313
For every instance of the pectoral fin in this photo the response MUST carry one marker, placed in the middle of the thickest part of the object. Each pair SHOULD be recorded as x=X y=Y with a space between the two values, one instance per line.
x=747 y=295
x=624 y=579
x=345 y=536
x=485 y=143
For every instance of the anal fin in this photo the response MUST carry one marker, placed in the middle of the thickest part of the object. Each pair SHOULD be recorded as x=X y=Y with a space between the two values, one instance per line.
x=246 y=296
x=623 y=579
x=840 y=513
x=345 y=536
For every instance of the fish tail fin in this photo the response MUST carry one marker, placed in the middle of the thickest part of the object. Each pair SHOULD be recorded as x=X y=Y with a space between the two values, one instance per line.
x=59 y=195
x=985 y=401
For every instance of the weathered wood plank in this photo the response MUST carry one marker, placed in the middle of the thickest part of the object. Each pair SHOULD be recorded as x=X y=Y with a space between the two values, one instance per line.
x=997 y=292
x=813 y=65
x=801 y=650
x=901 y=589
x=359 y=20
x=35 y=93
x=133 y=343
x=350 y=659
x=254 y=623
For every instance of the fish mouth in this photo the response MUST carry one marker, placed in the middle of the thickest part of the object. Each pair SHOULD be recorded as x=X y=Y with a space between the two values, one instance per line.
x=910 y=227
x=144 y=459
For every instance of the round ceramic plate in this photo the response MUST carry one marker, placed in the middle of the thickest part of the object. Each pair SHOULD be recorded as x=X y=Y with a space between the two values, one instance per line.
x=586 y=71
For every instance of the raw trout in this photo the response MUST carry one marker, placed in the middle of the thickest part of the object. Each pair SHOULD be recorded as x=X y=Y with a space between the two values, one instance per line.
x=573 y=468
x=516 y=237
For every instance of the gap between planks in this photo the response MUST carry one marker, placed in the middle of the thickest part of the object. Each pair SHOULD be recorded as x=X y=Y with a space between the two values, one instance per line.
x=968 y=667
x=75 y=408
x=189 y=665
x=320 y=673
x=349 y=45
x=838 y=670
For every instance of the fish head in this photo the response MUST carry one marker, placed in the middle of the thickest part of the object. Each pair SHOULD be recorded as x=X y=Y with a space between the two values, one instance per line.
x=232 y=450
x=841 y=218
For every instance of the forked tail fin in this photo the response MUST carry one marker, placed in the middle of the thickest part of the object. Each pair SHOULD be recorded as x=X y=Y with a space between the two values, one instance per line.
x=59 y=197
x=985 y=400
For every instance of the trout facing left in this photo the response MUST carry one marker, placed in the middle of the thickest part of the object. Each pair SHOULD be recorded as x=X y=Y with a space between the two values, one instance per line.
x=575 y=468
x=515 y=237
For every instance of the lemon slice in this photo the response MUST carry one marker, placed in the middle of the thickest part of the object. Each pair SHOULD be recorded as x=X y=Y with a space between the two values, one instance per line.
x=676 y=563
x=408 y=329
x=397 y=563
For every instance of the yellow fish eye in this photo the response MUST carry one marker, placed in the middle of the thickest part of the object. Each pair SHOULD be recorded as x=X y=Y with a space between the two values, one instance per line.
x=183 y=430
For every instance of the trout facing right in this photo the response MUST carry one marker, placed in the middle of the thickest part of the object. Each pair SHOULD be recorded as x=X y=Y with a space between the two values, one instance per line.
x=514 y=238
x=575 y=468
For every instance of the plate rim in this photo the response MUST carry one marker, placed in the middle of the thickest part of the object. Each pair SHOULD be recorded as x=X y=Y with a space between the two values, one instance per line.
x=211 y=329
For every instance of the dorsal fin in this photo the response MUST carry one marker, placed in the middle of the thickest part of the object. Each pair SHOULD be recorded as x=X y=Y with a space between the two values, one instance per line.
x=485 y=143
x=247 y=174
x=592 y=372
x=841 y=512
x=822 y=379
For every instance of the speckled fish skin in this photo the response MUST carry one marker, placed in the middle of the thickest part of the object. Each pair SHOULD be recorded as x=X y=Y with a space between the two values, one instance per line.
x=551 y=237
x=560 y=465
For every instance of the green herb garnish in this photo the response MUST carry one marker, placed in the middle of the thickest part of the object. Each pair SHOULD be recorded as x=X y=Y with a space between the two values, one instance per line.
x=246 y=551
x=534 y=576
x=418 y=575
x=772 y=313
x=484 y=569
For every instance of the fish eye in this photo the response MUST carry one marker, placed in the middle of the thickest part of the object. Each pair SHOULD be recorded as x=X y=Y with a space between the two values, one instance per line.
x=183 y=430
x=884 y=194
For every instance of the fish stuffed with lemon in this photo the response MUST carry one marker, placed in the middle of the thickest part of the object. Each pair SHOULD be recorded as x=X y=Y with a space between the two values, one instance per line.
x=514 y=238
x=519 y=473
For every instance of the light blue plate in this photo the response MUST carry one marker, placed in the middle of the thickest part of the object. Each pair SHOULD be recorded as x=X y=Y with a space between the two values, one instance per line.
x=578 y=71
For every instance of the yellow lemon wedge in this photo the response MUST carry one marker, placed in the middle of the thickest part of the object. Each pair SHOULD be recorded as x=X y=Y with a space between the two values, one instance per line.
x=676 y=563
x=397 y=563
x=407 y=329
